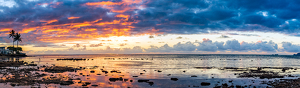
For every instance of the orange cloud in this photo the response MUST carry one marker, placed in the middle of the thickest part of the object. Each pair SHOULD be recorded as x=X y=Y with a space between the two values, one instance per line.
x=125 y=5
x=5 y=29
x=103 y=3
x=123 y=16
x=26 y=30
x=132 y=1
x=49 y=22
x=52 y=31
x=73 y=18
x=92 y=29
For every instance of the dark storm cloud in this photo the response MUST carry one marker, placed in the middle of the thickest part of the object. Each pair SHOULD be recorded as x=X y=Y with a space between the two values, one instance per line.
x=260 y=15
x=271 y=22
x=193 y=14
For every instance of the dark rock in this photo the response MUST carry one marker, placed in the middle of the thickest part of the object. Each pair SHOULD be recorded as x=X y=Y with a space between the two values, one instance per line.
x=195 y=86
x=205 y=83
x=87 y=83
x=66 y=83
x=115 y=79
x=12 y=84
x=125 y=80
x=59 y=69
x=72 y=59
x=174 y=79
x=150 y=83
x=193 y=76
x=105 y=72
x=95 y=85
x=114 y=71
x=238 y=86
x=141 y=80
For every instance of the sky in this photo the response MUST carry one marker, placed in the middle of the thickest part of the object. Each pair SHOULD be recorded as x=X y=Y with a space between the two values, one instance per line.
x=152 y=26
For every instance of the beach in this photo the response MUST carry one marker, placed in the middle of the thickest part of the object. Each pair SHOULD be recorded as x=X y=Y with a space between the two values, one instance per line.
x=150 y=70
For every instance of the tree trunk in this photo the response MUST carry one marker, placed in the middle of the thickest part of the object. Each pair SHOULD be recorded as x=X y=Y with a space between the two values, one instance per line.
x=17 y=47
x=13 y=47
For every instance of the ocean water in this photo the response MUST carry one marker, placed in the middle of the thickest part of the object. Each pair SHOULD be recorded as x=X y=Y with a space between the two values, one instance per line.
x=190 y=69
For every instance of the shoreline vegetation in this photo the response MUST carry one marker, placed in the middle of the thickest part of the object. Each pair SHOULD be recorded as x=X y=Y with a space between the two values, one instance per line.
x=13 y=55
x=13 y=51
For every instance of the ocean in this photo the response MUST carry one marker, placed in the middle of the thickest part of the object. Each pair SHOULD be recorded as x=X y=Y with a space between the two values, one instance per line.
x=169 y=70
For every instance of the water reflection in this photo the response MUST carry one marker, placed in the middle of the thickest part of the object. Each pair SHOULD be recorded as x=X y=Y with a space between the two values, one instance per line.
x=149 y=70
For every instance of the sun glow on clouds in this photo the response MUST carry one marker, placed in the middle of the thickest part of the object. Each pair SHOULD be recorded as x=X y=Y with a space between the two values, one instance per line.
x=123 y=6
x=92 y=29
x=5 y=29
x=108 y=3
x=109 y=23
x=73 y=18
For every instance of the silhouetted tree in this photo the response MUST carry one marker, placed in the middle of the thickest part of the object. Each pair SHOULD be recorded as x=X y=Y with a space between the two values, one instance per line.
x=18 y=39
x=12 y=35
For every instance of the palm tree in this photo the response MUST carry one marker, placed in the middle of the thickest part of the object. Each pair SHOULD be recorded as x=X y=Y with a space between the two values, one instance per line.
x=12 y=35
x=18 y=39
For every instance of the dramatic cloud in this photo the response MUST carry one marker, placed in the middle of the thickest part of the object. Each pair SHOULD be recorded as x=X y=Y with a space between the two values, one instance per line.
x=136 y=49
x=164 y=48
x=44 y=23
x=234 y=45
x=289 y=47
x=64 y=20
x=188 y=46
x=208 y=45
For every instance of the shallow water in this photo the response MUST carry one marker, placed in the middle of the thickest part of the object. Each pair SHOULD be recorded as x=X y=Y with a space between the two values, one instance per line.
x=159 y=69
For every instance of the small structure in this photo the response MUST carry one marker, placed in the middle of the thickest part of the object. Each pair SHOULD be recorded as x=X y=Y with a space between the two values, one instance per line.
x=5 y=51
x=2 y=50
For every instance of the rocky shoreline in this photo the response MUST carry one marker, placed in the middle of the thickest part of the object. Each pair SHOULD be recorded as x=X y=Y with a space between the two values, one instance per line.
x=21 y=73
x=20 y=55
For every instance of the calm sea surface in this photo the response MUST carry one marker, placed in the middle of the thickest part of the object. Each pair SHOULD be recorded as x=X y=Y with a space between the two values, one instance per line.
x=160 y=68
